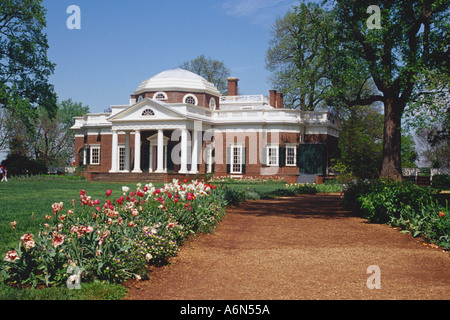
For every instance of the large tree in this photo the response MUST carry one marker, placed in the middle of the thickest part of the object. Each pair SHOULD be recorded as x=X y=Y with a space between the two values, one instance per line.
x=312 y=66
x=412 y=39
x=24 y=65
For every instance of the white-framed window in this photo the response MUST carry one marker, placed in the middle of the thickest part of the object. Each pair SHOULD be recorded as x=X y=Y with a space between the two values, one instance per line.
x=191 y=99
x=160 y=96
x=94 y=155
x=272 y=155
x=236 y=158
x=121 y=155
x=212 y=104
x=291 y=155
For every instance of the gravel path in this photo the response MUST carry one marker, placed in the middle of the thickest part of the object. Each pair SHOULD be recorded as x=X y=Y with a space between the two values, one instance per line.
x=299 y=248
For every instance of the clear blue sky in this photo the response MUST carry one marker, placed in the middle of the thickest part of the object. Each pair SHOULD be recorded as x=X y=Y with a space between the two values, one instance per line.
x=122 y=43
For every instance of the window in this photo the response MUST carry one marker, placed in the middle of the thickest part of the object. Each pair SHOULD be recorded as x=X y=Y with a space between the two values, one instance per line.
x=291 y=155
x=212 y=104
x=148 y=113
x=95 y=155
x=236 y=159
x=190 y=98
x=160 y=96
x=272 y=155
x=121 y=158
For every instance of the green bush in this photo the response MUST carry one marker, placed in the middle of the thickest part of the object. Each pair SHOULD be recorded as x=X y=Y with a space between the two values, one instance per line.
x=441 y=181
x=400 y=204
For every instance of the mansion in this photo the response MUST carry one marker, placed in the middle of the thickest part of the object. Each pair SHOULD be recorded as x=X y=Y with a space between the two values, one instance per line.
x=178 y=125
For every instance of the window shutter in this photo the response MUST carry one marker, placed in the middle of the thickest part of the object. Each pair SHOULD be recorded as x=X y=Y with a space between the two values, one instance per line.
x=281 y=157
x=213 y=159
x=244 y=159
x=228 y=160
x=88 y=155
x=264 y=156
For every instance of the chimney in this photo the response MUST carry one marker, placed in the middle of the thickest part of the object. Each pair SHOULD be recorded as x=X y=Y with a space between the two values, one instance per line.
x=233 y=86
x=279 y=100
x=273 y=98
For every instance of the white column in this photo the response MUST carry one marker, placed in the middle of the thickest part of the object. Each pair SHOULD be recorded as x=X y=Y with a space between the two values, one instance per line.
x=160 y=162
x=137 y=151
x=127 y=152
x=194 y=152
x=184 y=142
x=114 y=150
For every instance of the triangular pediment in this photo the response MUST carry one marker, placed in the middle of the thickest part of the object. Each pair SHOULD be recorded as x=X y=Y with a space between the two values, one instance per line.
x=147 y=110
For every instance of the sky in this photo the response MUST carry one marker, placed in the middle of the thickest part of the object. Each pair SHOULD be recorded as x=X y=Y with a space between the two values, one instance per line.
x=122 y=43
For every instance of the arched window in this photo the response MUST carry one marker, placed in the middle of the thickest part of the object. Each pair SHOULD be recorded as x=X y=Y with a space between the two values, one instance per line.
x=160 y=96
x=148 y=113
x=212 y=104
x=190 y=98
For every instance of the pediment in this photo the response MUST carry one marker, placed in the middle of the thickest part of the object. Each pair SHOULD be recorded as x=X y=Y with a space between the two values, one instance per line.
x=146 y=110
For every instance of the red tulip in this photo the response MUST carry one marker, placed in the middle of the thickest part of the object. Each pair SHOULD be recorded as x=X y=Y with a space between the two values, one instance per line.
x=108 y=192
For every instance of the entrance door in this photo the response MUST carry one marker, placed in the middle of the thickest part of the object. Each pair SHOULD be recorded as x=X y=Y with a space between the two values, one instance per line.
x=312 y=158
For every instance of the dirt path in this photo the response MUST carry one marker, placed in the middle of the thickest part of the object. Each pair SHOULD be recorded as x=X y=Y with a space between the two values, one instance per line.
x=304 y=247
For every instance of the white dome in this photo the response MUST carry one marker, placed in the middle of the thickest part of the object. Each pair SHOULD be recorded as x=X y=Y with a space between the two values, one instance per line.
x=177 y=79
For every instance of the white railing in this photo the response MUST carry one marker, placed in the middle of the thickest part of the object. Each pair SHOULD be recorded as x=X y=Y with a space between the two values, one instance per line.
x=274 y=115
x=248 y=99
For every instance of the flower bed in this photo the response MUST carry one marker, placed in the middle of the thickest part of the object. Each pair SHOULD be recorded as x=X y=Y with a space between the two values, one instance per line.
x=404 y=205
x=115 y=239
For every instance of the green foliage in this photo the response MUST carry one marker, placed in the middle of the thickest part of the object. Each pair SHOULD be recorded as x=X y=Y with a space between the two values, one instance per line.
x=401 y=204
x=18 y=164
x=441 y=181
x=25 y=68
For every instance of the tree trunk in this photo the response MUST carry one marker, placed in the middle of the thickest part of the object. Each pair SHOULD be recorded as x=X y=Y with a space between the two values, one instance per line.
x=391 y=166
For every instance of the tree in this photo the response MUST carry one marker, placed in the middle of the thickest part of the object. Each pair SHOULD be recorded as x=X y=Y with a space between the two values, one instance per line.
x=311 y=65
x=24 y=65
x=50 y=139
x=298 y=55
x=412 y=40
x=360 y=142
x=212 y=70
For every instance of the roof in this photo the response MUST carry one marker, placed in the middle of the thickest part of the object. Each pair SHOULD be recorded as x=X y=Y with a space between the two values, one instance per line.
x=177 y=80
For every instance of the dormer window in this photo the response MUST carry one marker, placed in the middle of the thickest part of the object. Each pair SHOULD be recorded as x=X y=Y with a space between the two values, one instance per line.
x=148 y=113
x=160 y=96
x=190 y=99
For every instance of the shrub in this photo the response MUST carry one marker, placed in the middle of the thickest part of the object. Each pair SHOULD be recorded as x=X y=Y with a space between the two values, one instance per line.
x=113 y=240
x=441 y=181
x=403 y=205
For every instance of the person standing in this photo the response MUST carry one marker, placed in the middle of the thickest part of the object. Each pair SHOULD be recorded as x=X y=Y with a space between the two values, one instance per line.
x=4 y=173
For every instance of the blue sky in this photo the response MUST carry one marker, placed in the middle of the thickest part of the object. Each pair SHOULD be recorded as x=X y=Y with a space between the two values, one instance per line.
x=122 y=43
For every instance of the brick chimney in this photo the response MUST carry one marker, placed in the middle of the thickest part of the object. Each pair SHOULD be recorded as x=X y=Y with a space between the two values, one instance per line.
x=280 y=101
x=273 y=98
x=233 y=86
